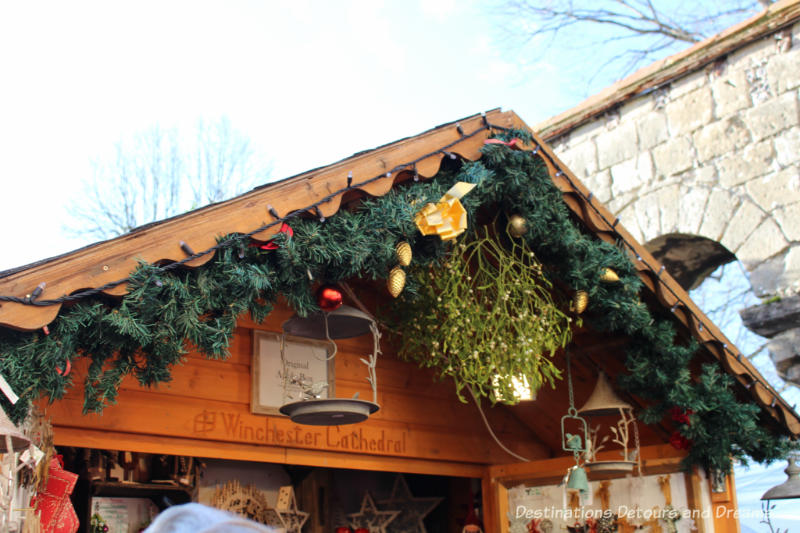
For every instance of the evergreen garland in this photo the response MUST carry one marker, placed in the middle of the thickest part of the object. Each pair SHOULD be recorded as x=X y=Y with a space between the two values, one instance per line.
x=166 y=314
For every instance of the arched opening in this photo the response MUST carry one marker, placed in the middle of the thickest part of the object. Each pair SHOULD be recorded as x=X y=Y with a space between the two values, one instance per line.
x=689 y=258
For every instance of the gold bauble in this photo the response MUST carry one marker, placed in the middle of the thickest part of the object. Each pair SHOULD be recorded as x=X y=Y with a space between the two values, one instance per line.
x=518 y=226
x=396 y=281
x=403 y=253
x=608 y=276
x=580 y=301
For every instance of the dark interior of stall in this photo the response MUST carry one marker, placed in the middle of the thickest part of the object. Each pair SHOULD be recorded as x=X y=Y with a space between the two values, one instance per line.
x=124 y=491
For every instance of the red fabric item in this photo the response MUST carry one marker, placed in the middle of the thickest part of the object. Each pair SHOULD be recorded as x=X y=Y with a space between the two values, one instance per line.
x=680 y=415
x=513 y=143
x=679 y=442
x=285 y=228
x=53 y=506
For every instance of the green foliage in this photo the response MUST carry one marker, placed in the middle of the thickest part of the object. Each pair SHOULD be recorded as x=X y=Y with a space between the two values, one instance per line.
x=167 y=313
x=485 y=317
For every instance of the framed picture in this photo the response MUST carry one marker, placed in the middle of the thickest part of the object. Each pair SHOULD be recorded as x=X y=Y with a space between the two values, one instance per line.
x=307 y=363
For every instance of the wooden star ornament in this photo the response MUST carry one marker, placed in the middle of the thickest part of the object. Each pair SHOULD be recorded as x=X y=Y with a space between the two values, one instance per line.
x=288 y=511
x=412 y=510
x=370 y=517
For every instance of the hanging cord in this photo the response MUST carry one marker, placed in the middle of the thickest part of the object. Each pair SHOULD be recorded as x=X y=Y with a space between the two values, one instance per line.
x=376 y=338
x=638 y=448
x=330 y=340
x=485 y=421
x=572 y=412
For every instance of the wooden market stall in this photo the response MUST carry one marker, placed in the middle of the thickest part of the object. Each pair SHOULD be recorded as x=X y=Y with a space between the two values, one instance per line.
x=211 y=408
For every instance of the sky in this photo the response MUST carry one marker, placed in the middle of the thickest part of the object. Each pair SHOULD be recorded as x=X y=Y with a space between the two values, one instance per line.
x=310 y=82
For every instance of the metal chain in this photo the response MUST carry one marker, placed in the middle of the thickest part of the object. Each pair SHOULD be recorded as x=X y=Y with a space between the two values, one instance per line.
x=638 y=448
x=572 y=411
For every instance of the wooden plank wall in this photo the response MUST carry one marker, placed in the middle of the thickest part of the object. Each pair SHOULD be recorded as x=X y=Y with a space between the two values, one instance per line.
x=205 y=411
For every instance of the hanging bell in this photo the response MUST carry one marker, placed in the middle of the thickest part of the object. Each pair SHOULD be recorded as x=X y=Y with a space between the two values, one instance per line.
x=342 y=323
x=603 y=401
x=578 y=480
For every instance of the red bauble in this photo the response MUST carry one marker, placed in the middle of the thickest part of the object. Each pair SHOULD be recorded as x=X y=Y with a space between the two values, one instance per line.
x=329 y=298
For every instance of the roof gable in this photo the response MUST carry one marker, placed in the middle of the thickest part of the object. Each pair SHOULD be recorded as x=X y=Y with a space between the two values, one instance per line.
x=321 y=193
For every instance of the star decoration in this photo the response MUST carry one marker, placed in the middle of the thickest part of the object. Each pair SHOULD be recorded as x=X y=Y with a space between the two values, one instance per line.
x=412 y=510
x=288 y=511
x=370 y=517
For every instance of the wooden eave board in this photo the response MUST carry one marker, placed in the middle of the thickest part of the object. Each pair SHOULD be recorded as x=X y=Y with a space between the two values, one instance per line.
x=115 y=259
x=775 y=17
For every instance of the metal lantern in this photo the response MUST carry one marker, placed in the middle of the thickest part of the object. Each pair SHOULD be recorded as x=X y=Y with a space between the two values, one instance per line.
x=603 y=402
x=342 y=323
x=790 y=488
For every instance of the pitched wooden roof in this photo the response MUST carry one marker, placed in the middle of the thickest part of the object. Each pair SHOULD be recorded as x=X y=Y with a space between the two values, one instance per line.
x=107 y=264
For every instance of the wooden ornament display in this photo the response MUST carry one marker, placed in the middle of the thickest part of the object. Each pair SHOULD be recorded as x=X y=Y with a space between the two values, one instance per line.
x=248 y=502
x=370 y=518
x=287 y=508
x=412 y=510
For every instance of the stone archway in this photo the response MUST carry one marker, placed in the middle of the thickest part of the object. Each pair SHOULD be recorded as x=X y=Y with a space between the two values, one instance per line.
x=689 y=258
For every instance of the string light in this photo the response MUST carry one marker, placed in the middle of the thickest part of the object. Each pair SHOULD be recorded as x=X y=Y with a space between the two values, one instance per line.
x=32 y=298
x=186 y=248
x=244 y=236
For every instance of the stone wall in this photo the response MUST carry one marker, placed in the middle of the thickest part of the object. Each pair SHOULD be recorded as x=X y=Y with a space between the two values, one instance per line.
x=715 y=153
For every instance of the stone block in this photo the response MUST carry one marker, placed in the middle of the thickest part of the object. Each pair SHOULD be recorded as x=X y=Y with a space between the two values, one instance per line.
x=648 y=216
x=783 y=71
x=674 y=156
x=775 y=189
x=600 y=184
x=784 y=350
x=652 y=129
x=581 y=158
x=790 y=279
x=772 y=116
x=692 y=207
x=631 y=174
x=620 y=203
x=778 y=275
x=691 y=82
x=756 y=51
x=635 y=108
x=690 y=111
x=627 y=219
x=668 y=199
x=721 y=137
x=765 y=277
x=616 y=145
x=788 y=218
x=787 y=146
x=754 y=161
x=766 y=241
x=742 y=224
x=581 y=134
x=718 y=213
x=730 y=93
